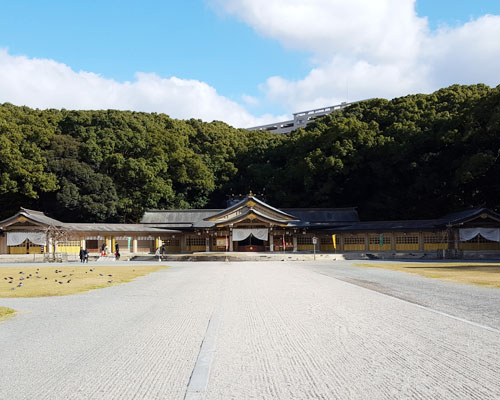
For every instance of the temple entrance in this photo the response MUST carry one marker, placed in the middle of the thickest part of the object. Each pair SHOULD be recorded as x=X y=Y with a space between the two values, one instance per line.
x=26 y=247
x=250 y=238
x=251 y=243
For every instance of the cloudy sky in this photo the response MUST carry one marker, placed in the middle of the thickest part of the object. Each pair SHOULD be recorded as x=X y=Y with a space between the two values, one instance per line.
x=245 y=62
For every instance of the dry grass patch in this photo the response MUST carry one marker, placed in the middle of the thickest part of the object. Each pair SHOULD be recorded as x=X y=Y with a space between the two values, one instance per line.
x=6 y=313
x=61 y=281
x=484 y=274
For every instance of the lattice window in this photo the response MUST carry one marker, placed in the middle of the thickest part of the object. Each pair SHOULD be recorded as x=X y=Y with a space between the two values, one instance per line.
x=69 y=243
x=195 y=241
x=438 y=237
x=408 y=239
x=171 y=242
x=386 y=239
x=304 y=239
x=354 y=240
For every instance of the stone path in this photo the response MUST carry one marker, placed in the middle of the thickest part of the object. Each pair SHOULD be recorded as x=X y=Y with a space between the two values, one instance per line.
x=275 y=331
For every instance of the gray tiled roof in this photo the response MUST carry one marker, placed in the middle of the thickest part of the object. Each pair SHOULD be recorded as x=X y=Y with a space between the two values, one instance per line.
x=324 y=215
x=103 y=227
x=176 y=216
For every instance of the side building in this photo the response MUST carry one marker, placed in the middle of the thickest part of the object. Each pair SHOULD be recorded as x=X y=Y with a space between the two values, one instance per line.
x=250 y=224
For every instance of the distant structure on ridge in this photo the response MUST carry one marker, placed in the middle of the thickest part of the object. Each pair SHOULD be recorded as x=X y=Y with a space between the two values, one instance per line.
x=300 y=119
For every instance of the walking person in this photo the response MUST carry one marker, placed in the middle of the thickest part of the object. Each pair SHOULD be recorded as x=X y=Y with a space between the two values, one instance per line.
x=82 y=255
x=117 y=251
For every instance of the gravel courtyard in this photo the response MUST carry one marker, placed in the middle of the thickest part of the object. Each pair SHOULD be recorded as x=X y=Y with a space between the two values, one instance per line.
x=255 y=330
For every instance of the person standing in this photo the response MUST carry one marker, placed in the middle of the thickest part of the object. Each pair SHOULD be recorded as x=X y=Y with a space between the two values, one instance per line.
x=82 y=255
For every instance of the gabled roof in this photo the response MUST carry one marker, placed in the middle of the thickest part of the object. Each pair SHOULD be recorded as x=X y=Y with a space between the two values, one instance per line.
x=35 y=216
x=255 y=214
x=249 y=200
x=468 y=215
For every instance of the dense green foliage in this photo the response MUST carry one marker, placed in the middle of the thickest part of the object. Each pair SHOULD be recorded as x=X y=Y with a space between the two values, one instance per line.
x=417 y=156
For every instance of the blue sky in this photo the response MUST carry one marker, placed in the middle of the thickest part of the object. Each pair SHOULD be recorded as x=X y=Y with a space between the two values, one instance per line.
x=219 y=43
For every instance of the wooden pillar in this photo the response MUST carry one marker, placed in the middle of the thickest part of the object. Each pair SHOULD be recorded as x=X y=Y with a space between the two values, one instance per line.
x=183 y=242
x=108 y=243
x=420 y=241
x=207 y=243
x=294 y=241
x=271 y=241
x=134 y=245
x=231 y=240
x=393 y=241
x=367 y=242
x=83 y=244
x=113 y=245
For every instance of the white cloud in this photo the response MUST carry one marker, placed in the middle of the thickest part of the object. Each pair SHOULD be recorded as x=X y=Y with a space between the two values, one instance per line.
x=44 y=83
x=369 y=48
x=250 y=100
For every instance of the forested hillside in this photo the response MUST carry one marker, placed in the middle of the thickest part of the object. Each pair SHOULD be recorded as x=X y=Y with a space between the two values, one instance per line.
x=417 y=156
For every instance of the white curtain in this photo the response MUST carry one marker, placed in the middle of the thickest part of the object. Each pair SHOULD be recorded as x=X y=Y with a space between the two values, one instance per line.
x=16 y=238
x=492 y=234
x=240 y=234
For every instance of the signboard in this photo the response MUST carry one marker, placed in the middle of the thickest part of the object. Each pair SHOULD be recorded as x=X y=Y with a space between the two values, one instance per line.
x=221 y=242
x=315 y=240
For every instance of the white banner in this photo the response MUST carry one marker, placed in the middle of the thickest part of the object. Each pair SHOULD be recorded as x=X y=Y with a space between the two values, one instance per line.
x=16 y=238
x=492 y=234
x=240 y=234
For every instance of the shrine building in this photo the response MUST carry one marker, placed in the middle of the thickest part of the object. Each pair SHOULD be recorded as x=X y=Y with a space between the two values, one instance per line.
x=248 y=224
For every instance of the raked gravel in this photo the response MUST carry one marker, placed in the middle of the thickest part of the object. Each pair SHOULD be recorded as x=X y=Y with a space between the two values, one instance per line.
x=277 y=330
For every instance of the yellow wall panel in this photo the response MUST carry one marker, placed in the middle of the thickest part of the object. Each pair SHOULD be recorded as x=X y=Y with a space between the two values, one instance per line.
x=407 y=246
x=376 y=247
x=435 y=246
x=354 y=247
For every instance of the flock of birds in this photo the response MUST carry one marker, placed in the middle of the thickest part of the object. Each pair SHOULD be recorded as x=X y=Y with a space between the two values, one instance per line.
x=60 y=281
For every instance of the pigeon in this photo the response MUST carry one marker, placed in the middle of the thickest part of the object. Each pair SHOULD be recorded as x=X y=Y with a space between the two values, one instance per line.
x=39 y=277
x=21 y=272
x=110 y=281
x=60 y=283
x=110 y=275
x=5 y=278
x=64 y=276
x=21 y=279
x=69 y=280
x=20 y=284
x=91 y=269
x=101 y=275
x=86 y=272
x=45 y=278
